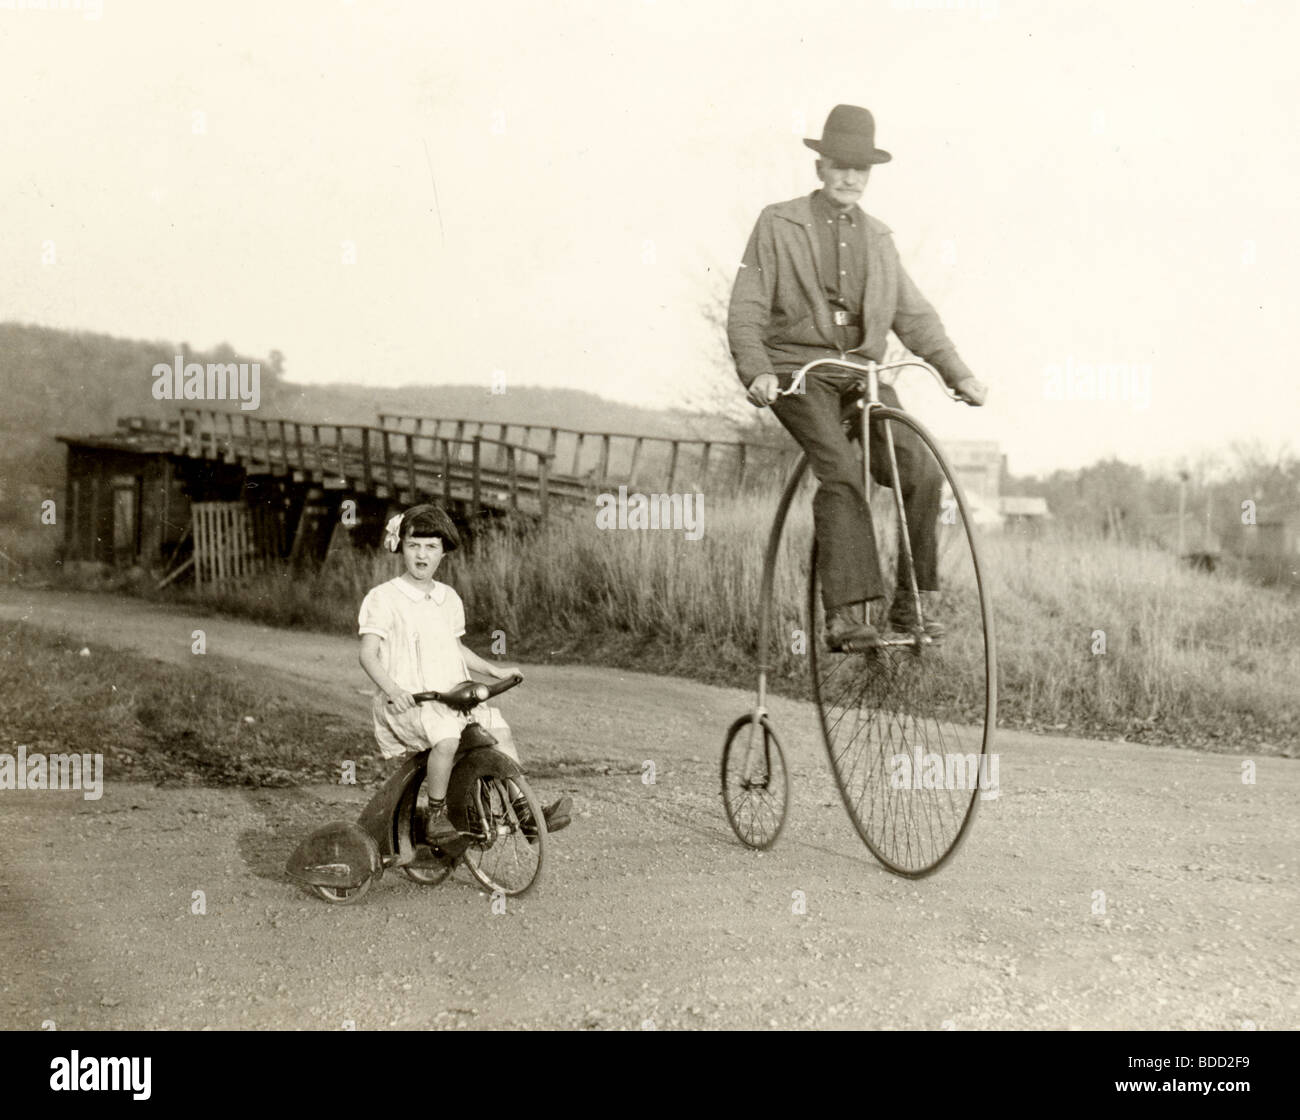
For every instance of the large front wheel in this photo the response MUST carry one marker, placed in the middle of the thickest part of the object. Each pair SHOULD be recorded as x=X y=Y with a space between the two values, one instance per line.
x=907 y=725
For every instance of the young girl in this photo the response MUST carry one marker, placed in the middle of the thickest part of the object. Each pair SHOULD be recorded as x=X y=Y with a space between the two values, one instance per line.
x=410 y=630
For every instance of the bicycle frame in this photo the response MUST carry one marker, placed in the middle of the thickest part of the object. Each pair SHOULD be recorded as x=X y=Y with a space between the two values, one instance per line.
x=870 y=402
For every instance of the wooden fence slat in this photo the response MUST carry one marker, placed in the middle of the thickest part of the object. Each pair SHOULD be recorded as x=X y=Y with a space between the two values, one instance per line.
x=388 y=463
x=238 y=543
x=196 y=528
x=410 y=466
x=636 y=458
x=476 y=482
x=218 y=544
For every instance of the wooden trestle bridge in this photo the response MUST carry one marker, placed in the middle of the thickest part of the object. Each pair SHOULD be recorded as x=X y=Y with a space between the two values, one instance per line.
x=228 y=494
x=472 y=464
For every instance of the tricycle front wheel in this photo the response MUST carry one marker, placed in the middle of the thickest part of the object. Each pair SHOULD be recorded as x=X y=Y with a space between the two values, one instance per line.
x=505 y=852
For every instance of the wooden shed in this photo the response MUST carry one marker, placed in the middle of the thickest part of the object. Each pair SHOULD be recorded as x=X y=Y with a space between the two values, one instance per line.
x=125 y=502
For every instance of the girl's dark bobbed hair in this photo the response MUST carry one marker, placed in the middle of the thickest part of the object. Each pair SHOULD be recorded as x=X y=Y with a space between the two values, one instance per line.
x=429 y=521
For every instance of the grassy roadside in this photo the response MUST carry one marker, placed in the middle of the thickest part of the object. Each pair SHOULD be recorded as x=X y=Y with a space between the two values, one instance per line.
x=1190 y=659
x=156 y=722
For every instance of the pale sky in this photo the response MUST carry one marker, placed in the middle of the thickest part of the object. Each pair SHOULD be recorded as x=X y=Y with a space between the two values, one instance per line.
x=1073 y=184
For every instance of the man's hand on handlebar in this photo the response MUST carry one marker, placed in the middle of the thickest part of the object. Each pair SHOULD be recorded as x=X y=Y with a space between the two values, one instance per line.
x=504 y=672
x=971 y=390
x=763 y=390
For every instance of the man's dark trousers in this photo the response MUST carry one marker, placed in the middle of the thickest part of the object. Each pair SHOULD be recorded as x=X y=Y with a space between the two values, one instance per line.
x=847 y=564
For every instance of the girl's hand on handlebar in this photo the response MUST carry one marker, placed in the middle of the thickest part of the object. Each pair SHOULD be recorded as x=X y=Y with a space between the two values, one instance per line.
x=763 y=390
x=504 y=672
x=401 y=701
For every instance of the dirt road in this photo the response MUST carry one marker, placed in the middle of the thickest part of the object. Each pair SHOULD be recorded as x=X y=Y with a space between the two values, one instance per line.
x=652 y=914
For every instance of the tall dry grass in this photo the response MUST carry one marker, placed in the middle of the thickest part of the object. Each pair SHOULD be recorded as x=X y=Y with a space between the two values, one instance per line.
x=1094 y=637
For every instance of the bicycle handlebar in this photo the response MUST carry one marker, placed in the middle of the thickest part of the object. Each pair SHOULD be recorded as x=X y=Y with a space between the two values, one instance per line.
x=796 y=386
x=468 y=694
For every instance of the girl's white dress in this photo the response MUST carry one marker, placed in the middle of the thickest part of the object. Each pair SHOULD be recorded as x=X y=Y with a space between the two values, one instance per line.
x=419 y=632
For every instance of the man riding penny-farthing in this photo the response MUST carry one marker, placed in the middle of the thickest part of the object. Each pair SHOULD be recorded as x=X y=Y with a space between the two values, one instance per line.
x=904 y=680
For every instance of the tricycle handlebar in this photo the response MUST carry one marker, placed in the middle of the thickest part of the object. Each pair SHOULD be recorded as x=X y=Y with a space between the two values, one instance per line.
x=468 y=694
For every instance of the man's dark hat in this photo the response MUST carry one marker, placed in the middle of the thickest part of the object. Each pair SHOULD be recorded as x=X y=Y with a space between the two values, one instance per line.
x=849 y=137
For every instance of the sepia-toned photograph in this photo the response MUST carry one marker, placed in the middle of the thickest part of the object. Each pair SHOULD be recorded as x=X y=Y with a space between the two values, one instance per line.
x=650 y=516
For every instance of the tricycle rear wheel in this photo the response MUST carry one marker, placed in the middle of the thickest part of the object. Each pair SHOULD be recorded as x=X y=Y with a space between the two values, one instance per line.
x=341 y=896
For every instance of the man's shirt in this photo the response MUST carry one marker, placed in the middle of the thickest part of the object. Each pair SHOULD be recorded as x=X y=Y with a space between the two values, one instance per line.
x=842 y=259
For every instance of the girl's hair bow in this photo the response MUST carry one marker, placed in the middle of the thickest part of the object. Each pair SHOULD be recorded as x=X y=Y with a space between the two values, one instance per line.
x=393 y=533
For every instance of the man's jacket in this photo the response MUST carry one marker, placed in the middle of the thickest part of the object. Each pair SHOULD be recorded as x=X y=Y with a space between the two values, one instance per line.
x=779 y=310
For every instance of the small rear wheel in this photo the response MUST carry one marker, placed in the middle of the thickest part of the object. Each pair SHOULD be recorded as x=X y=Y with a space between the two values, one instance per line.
x=505 y=853
x=755 y=788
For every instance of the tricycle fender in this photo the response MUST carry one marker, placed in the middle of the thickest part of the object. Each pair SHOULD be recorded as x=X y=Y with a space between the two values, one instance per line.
x=341 y=854
x=471 y=766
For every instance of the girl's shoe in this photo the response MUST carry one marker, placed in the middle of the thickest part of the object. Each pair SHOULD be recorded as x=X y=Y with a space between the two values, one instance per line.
x=437 y=828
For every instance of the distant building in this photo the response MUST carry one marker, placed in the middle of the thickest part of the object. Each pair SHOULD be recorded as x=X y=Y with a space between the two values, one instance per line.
x=978 y=465
x=1021 y=509
x=1270 y=547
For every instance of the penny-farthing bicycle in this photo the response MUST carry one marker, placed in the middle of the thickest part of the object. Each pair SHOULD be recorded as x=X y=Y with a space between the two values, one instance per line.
x=907 y=722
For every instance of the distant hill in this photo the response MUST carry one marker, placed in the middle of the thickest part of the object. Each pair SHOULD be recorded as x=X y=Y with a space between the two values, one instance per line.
x=59 y=382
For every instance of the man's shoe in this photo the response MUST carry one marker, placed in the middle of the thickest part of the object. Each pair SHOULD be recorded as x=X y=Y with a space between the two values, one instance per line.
x=902 y=615
x=847 y=633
